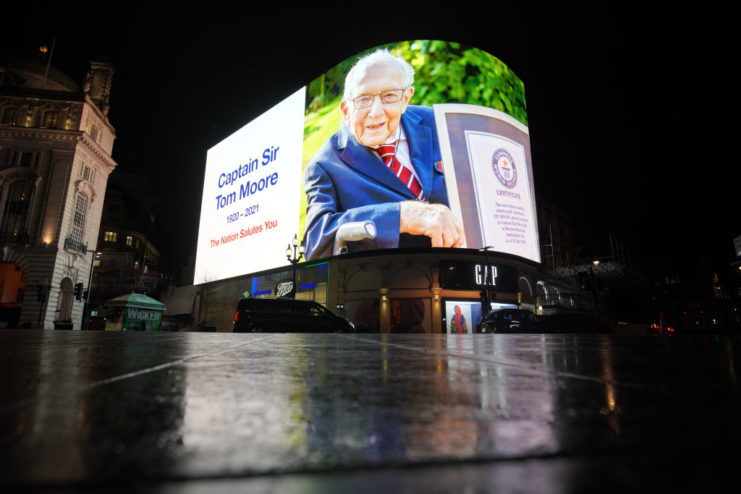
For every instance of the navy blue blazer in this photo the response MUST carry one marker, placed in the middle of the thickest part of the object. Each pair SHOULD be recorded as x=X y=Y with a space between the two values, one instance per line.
x=347 y=182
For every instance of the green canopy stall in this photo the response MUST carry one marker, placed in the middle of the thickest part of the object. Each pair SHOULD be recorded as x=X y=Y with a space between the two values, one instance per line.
x=134 y=312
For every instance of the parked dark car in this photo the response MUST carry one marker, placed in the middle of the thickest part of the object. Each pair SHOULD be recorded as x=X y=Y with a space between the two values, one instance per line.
x=509 y=321
x=286 y=315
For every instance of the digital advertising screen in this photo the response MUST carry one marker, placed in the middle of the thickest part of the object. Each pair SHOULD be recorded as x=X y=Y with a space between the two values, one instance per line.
x=411 y=144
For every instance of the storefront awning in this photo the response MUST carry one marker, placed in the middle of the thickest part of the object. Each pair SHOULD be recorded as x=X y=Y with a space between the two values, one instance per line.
x=136 y=300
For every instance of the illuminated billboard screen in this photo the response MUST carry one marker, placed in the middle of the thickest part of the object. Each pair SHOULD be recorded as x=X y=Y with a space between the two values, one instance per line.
x=412 y=144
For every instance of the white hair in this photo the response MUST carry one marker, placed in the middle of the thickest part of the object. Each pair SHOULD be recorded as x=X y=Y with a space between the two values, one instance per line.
x=378 y=57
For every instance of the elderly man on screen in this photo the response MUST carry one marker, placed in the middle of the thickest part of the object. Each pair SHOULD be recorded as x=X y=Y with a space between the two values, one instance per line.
x=383 y=166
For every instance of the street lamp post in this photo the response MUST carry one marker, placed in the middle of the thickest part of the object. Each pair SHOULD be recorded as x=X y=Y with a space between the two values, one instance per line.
x=593 y=283
x=86 y=304
x=487 y=286
x=294 y=253
x=42 y=296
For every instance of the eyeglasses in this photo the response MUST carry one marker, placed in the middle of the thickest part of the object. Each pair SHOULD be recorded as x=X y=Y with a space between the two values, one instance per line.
x=386 y=97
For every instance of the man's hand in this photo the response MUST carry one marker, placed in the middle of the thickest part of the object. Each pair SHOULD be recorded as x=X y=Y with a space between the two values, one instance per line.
x=433 y=220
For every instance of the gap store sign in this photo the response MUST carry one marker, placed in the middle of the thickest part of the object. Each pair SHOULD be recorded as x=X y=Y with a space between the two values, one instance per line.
x=461 y=275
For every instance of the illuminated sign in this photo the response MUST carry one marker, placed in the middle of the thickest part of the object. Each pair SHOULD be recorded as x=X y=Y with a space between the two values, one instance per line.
x=461 y=275
x=283 y=289
x=485 y=275
x=143 y=315
x=349 y=164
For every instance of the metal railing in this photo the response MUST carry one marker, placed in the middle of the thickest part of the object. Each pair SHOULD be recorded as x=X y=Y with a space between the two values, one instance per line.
x=75 y=245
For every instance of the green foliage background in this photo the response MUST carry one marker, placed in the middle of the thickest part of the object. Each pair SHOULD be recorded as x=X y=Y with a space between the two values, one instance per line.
x=445 y=72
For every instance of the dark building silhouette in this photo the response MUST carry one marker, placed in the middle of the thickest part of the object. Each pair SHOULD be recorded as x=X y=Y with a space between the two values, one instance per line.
x=127 y=259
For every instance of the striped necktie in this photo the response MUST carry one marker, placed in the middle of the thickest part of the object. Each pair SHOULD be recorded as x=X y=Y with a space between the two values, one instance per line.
x=405 y=174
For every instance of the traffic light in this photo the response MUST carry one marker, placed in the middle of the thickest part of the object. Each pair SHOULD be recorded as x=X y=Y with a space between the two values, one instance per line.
x=78 y=291
x=484 y=301
x=582 y=280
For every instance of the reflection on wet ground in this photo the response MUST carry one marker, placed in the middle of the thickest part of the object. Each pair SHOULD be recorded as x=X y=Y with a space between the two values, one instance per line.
x=340 y=413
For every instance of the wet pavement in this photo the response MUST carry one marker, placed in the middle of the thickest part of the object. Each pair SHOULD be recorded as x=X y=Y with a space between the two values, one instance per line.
x=210 y=412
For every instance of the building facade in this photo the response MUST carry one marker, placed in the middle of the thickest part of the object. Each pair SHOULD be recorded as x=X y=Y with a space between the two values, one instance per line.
x=127 y=258
x=55 y=158
x=397 y=290
x=391 y=291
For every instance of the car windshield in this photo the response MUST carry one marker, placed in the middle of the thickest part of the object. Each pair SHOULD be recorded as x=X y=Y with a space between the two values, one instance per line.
x=317 y=311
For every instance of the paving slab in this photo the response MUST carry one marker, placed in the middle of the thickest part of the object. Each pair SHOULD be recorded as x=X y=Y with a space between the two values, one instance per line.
x=222 y=412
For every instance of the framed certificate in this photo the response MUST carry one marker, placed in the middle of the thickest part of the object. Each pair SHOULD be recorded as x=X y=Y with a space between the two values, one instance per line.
x=488 y=177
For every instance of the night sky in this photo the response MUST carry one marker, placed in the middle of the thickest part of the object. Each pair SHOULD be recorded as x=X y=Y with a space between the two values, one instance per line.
x=625 y=106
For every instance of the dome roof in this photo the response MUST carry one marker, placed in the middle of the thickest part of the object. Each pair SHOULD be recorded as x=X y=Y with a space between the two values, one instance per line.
x=29 y=73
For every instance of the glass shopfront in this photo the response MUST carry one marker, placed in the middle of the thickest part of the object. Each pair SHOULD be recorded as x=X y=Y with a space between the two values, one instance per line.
x=219 y=300
x=494 y=282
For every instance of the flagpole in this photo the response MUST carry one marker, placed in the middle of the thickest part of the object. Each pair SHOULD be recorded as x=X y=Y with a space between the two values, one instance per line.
x=48 y=62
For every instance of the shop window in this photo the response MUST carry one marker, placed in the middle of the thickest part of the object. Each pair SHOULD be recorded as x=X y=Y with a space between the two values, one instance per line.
x=365 y=314
x=461 y=316
x=409 y=315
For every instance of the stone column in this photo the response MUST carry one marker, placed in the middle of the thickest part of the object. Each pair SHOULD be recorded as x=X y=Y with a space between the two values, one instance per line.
x=437 y=316
x=384 y=315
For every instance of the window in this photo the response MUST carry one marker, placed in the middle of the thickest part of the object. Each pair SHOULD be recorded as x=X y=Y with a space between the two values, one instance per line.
x=87 y=173
x=16 y=209
x=110 y=237
x=25 y=159
x=317 y=311
x=10 y=116
x=78 y=220
x=51 y=118
x=129 y=240
x=94 y=133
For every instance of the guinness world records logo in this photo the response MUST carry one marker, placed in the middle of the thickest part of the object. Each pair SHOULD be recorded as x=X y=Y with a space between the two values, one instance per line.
x=504 y=168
